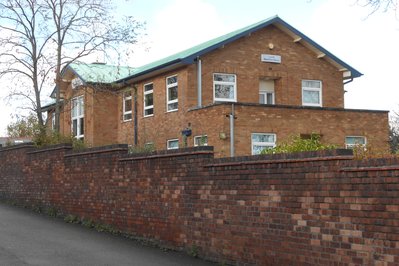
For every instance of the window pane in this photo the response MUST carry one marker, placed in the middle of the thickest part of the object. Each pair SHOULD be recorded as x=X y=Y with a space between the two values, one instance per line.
x=224 y=77
x=311 y=97
x=269 y=96
x=224 y=91
x=172 y=80
x=263 y=138
x=81 y=106
x=172 y=94
x=355 y=140
x=75 y=127
x=148 y=99
x=82 y=126
x=201 y=141
x=173 y=144
x=74 y=108
x=127 y=116
x=311 y=84
x=128 y=105
x=149 y=111
x=148 y=87
x=172 y=106
x=262 y=98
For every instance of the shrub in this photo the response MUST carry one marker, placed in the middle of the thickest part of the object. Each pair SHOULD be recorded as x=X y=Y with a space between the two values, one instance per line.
x=297 y=144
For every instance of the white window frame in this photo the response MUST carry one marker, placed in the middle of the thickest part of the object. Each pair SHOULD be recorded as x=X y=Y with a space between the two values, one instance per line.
x=264 y=95
x=145 y=93
x=125 y=113
x=319 y=90
x=216 y=82
x=351 y=146
x=265 y=144
x=78 y=118
x=168 y=102
x=168 y=144
x=200 y=137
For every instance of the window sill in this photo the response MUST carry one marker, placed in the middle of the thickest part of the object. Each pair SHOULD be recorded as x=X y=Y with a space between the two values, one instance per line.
x=171 y=111
x=146 y=116
x=129 y=120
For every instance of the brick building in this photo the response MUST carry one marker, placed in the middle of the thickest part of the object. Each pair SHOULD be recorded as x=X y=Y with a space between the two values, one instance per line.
x=241 y=92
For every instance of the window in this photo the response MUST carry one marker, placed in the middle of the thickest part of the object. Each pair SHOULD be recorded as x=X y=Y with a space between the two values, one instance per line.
x=171 y=94
x=127 y=106
x=266 y=91
x=148 y=99
x=201 y=140
x=77 y=115
x=311 y=93
x=172 y=144
x=224 y=87
x=266 y=97
x=355 y=141
x=261 y=141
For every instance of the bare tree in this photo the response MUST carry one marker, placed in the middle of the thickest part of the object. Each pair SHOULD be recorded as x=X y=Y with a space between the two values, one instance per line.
x=382 y=5
x=41 y=37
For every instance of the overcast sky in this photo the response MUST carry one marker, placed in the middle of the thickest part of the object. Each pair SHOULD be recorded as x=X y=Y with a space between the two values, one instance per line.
x=367 y=43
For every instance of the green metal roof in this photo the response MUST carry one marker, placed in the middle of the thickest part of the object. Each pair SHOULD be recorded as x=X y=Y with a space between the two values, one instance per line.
x=99 y=73
x=188 y=56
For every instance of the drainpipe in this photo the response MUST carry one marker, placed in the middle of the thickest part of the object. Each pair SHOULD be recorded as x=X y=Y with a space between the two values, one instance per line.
x=349 y=81
x=135 y=114
x=232 y=131
x=199 y=82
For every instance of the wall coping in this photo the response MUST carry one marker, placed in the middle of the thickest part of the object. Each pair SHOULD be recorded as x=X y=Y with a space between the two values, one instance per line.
x=17 y=147
x=62 y=146
x=97 y=150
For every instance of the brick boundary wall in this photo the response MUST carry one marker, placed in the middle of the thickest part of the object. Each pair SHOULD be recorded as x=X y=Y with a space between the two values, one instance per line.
x=312 y=208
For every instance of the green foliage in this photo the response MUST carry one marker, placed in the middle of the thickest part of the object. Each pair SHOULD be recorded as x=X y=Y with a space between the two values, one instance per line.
x=194 y=251
x=70 y=218
x=89 y=223
x=147 y=148
x=52 y=212
x=298 y=144
x=24 y=127
x=47 y=138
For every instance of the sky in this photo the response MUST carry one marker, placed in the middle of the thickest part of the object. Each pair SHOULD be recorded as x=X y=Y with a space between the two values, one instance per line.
x=367 y=42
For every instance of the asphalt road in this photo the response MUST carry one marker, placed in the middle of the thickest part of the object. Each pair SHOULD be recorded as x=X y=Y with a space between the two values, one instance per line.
x=27 y=238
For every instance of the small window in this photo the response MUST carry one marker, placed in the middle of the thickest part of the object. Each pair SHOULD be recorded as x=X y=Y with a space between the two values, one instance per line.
x=261 y=141
x=77 y=117
x=127 y=106
x=266 y=97
x=311 y=93
x=172 y=144
x=148 y=99
x=201 y=140
x=172 y=94
x=224 y=87
x=355 y=141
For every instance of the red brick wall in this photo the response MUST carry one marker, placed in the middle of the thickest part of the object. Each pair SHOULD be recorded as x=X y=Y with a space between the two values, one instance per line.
x=315 y=208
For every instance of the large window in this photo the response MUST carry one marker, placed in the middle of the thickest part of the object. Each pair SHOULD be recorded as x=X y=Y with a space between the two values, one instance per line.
x=355 y=141
x=77 y=117
x=224 y=87
x=148 y=99
x=311 y=93
x=127 y=106
x=172 y=144
x=261 y=141
x=171 y=94
x=201 y=140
